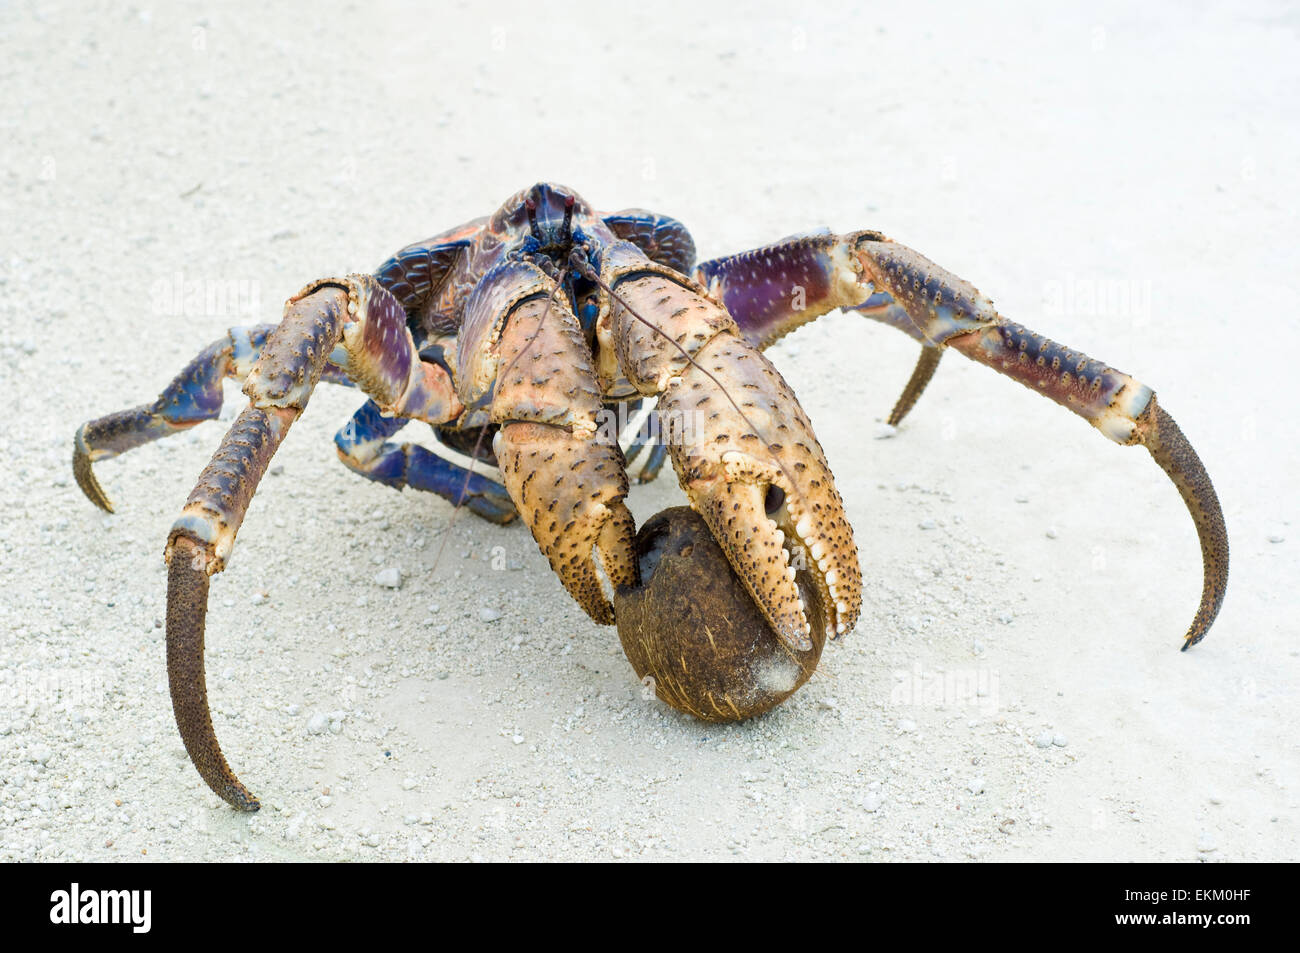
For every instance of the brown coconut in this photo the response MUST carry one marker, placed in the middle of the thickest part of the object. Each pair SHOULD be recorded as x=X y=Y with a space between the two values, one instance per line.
x=693 y=628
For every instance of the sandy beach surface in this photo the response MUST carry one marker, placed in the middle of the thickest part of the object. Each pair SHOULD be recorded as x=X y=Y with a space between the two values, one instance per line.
x=1121 y=179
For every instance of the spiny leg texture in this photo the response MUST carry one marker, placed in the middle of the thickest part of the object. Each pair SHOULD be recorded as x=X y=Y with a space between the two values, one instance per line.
x=777 y=288
x=926 y=365
x=194 y=396
x=367 y=326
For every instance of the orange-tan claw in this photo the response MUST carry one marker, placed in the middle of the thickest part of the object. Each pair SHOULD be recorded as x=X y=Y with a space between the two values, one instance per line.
x=755 y=471
x=569 y=489
x=744 y=450
x=754 y=547
x=563 y=471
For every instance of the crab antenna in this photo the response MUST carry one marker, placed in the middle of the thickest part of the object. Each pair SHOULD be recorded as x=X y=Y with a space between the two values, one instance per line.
x=568 y=219
x=532 y=218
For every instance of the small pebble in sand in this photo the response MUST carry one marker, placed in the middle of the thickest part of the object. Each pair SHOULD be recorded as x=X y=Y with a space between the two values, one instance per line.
x=317 y=724
x=487 y=614
x=390 y=578
x=871 y=801
x=927 y=524
x=1005 y=618
x=976 y=786
x=1276 y=538
x=906 y=725
x=884 y=431
x=1052 y=533
x=1060 y=740
x=1206 y=843
x=1044 y=739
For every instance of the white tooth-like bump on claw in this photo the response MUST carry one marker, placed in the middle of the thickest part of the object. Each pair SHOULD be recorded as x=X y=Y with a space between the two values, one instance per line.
x=789 y=572
x=818 y=551
x=831 y=577
x=804 y=526
x=842 y=608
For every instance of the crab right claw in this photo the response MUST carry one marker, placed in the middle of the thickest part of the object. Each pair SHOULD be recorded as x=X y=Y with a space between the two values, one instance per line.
x=744 y=450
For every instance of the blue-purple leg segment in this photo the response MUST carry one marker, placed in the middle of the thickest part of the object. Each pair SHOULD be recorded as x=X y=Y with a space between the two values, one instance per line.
x=663 y=239
x=195 y=395
x=773 y=290
x=364 y=448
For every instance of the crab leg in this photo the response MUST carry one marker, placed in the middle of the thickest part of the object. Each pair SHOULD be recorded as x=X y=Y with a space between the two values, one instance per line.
x=369 y=324
x=364 y=448
x=194 y=396
x=743 y=448
x=775 y=289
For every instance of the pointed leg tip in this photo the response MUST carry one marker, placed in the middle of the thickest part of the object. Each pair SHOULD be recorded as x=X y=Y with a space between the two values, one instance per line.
x=84 y=473
x=241 y=799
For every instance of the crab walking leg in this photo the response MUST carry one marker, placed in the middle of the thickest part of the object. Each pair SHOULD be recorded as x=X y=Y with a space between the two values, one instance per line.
x=1127 y=412
x=214 y=510
x=775 y=289
x=926 y=365
x=522 y=350
x=194 y=396
x=647 y=440
x=743 y=448
x=364 y=448
x=368 y=323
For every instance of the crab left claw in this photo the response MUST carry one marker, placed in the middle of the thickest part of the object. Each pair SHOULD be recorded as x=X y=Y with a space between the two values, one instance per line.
x=743 y=448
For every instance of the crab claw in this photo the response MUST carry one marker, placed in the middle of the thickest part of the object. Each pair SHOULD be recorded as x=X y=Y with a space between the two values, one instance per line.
x=569 y=488
x=752 y=467
x=523 y=352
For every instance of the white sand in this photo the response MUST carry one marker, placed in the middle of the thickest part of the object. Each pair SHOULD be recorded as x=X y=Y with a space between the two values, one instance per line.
x=1041 y=156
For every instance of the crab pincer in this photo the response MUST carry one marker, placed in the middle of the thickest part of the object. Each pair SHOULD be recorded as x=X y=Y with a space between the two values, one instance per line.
x=744 y=450
x=523 y=353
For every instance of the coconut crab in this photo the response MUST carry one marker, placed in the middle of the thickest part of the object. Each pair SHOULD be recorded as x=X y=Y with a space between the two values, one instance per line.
x=524 y=327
